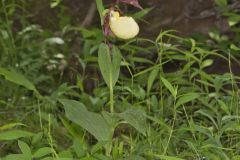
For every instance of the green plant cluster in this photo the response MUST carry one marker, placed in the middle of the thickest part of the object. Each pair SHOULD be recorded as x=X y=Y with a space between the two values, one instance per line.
x=135 y=100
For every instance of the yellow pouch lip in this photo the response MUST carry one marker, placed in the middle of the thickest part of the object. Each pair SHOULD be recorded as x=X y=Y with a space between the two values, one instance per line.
x=116 y=14
x=123 y=27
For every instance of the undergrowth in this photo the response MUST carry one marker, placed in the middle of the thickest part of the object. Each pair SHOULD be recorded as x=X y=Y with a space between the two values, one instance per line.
x=137 y=99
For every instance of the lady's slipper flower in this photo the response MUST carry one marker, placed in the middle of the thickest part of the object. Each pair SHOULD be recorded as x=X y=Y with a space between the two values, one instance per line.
x=122 y=26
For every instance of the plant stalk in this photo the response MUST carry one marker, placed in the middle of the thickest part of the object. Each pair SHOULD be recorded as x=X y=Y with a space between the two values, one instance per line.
x=111 y=99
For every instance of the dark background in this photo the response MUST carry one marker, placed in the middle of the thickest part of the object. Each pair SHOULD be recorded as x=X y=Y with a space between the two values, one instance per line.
x=186 y=16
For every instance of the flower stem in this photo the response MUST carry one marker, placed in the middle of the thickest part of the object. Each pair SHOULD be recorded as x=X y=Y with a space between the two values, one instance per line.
x=111 y=99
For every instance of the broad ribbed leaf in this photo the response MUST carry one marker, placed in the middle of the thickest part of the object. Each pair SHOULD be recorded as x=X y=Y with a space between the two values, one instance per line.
x=116 y=61
x=136 y=118
x=104 y=61
x=109 y=63
x=92 y=122
x=25 y=149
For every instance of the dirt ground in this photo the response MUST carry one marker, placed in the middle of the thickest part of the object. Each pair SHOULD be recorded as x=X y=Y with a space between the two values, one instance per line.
x=186 y=16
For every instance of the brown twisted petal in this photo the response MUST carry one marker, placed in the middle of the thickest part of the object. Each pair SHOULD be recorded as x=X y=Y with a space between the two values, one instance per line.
x=135 y=3
x=106 y=27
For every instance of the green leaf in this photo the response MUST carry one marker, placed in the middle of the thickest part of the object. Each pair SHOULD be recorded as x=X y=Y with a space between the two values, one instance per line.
x=25 y=150
x=92 y=122
x=142 y=13
x=116 y=61
x=167 y=157
x=18 y=79
x=37 y=137
x=234 y=47
x=10 y=125
x=136 y=118
x=55 y=3
x=65 y=154
x=237 y=157
x=14 y=157
x=207 y=63
x=42 y=152
x=133 y=157
x=105 y=64
x=223 y=106
x=151 y=79
x=233 y=18
x=79 y=147
x=49 y=158
x=208 y=115
x=100 y=9
x=75 y=133
x=141 y=60
x=169 y=86
x=221 y=3
x=186 y=98
x=109 y=64
x=14 y=134
x=193 y=42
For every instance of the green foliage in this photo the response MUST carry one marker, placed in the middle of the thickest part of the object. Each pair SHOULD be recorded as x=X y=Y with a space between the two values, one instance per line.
x=18 y=79
x=136 y=118
x=221 y=3
x=41 y=152
x=169 y=86
x=14 y=134
x=100 y=8
x=109 y=63
x=94 y=123
x=55 y=3
x=166 y=97
x=25 y=149
x=167 y=157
